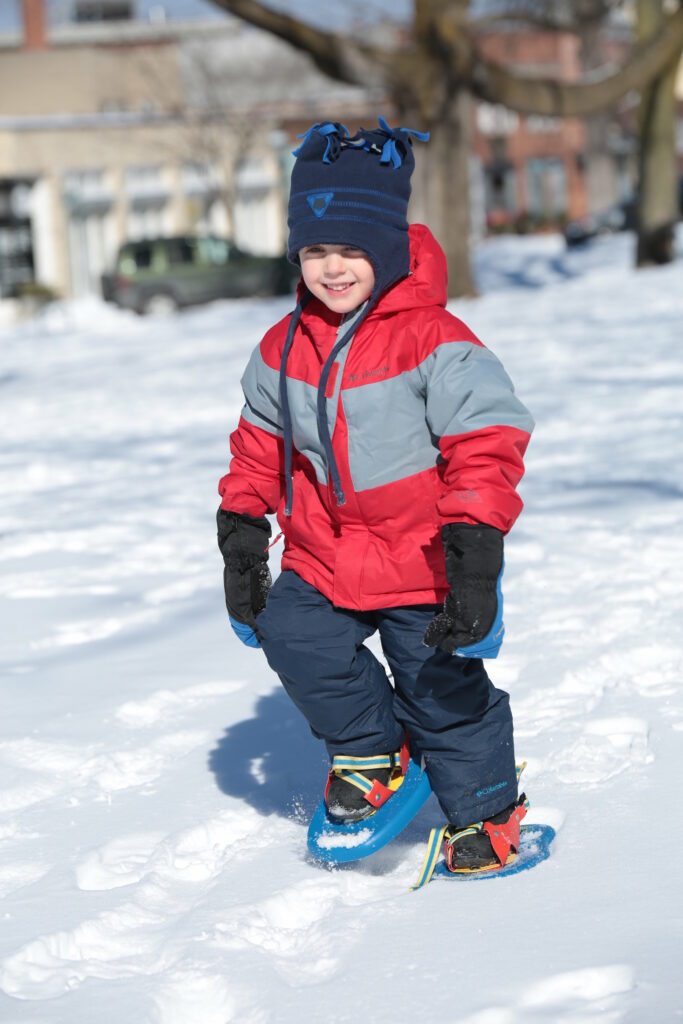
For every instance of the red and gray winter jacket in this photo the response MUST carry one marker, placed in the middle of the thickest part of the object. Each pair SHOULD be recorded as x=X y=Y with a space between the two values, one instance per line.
x=426 y=430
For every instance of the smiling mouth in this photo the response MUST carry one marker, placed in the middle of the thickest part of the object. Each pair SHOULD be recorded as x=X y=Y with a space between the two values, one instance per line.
x=339 y=288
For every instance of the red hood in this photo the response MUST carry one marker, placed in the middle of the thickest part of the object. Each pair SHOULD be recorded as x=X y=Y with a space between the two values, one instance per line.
x=426 y=284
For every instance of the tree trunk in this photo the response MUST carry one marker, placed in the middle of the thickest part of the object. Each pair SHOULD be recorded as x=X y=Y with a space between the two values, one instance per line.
x=441 y=192
x=657 y=189
x=602 y=186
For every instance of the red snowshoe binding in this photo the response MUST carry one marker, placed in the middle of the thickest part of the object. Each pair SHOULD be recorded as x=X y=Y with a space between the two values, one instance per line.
x=486 y=845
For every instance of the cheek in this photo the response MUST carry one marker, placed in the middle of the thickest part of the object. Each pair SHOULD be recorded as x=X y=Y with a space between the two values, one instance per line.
x=368 y=278
x=308 y=273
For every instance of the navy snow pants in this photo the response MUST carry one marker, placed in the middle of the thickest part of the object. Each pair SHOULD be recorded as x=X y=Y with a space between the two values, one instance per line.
x=456 y=719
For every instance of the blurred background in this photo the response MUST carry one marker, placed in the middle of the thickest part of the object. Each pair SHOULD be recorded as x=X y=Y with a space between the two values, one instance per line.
x=145 y=145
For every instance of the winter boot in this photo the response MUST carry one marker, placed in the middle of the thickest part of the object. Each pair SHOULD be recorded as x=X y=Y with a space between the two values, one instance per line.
x=486 y=845
x=358 y=786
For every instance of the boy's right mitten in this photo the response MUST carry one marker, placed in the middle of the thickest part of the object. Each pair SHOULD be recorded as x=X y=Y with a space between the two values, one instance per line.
x=471 y=622
x=243 y=540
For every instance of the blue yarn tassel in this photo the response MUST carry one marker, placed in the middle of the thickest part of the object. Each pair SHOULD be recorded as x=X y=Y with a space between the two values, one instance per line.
x=390 y=152
x=331 y=131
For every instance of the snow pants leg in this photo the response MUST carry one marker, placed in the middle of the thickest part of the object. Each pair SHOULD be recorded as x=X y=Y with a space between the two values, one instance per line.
x=457 y=720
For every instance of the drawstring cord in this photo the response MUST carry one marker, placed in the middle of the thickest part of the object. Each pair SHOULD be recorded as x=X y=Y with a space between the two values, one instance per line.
x=284 y=400
x=323 y=426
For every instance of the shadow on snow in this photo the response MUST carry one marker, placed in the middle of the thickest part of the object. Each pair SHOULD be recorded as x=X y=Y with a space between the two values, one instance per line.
x=271 y=760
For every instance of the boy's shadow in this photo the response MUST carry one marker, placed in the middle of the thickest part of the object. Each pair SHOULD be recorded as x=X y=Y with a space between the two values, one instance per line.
x=272 y=760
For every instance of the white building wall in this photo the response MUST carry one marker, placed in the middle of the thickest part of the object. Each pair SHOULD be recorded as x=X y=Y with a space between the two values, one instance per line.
x=46 y=241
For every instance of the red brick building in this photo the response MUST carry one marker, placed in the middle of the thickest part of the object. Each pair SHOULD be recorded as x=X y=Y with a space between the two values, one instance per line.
x=535 y=168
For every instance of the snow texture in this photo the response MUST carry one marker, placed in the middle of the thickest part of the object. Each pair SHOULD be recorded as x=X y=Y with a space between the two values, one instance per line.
x=155 y=782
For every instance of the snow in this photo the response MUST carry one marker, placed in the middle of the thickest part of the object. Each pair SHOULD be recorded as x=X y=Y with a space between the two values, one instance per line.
x=155 y=782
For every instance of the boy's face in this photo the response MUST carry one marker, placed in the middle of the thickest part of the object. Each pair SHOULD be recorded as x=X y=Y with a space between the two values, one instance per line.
x=339 y=275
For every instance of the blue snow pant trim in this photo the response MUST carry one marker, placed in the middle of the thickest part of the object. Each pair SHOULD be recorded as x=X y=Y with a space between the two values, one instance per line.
x=457 y=720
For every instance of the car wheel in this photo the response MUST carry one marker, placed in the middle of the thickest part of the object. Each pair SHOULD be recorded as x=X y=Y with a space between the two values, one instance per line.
x=161 y=304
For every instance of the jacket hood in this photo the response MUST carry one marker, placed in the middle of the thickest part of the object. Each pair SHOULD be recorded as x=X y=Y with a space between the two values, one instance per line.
x=427 y=281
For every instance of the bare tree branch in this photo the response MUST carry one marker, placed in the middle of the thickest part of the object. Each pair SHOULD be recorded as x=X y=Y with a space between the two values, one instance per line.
x=558 y=16
x=440 y=26
x=333 y=53
x=498 y=84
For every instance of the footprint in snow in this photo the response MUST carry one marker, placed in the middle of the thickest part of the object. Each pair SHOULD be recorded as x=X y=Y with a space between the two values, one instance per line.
x=167 y=875
x=196 y=854
x=583 y=996
x=607 y=747
x=291 y=926
x=63 y=768
x=16 y=875
x=577 y=694
x=187 y=996
x=166 y=705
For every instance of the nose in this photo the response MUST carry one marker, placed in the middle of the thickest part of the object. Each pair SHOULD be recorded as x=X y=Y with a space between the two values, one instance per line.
x=334 y=264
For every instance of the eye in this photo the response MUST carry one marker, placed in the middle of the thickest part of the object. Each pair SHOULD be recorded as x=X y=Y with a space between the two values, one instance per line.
x=353 y=253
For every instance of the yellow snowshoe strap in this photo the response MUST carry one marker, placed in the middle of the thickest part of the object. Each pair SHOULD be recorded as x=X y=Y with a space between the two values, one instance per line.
x=431 y=857
x=436 y=838
x=347 y=767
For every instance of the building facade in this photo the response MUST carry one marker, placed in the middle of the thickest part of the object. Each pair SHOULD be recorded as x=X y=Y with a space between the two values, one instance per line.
x=116 y=130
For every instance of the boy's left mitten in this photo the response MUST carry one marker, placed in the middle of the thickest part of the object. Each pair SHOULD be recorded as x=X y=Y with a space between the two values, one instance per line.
x=471 y=622
x=243 y=540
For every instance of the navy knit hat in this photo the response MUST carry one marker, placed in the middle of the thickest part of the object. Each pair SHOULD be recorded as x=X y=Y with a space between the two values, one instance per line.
x=354 y=190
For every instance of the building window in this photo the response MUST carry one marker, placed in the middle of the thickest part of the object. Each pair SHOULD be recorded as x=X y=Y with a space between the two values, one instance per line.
x=541 y=124
x=102 y=10
x=200 y=179
x=91 y=231
x=546 y=188
x=146 y=182
x=16 y=239
x=258 y=226
x=148 y=196
x=86 y=189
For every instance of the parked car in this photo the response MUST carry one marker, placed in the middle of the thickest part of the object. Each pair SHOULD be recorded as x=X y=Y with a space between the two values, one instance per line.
x=620 y=217
x=160 y=275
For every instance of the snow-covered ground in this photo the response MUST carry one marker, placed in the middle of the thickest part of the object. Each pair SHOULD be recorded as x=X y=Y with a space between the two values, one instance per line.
x=155 y=783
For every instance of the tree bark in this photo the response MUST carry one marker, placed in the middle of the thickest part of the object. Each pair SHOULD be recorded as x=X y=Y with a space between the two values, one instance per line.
x=441 y=193
x=657 y=189
x=602 y=186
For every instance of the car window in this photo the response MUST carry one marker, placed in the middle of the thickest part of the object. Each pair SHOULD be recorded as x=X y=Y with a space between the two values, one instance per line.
x=215 y=251
x=180 y=251
x=135 y=258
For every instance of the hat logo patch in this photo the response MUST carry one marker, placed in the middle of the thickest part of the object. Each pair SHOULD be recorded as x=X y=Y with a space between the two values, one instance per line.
x=319 y=202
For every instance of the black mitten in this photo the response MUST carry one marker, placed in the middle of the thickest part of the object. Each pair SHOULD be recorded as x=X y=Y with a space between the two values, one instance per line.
x=243 y=540
x=471 y=622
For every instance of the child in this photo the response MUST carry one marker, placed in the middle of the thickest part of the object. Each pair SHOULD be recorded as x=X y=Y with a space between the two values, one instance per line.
x=390 y=443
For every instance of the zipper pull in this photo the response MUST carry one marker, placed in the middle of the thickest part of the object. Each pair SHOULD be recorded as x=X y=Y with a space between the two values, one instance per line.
x=274 y=542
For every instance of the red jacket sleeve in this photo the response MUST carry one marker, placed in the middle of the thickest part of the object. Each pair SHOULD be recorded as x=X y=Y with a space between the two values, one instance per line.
x=255 y=480
x=483 y=430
